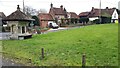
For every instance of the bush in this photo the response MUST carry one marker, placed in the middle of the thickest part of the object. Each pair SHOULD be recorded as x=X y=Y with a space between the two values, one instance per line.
x=96 y=21
x=103 y=20
x=74 y=20
x=84 y=19
x=36 y=22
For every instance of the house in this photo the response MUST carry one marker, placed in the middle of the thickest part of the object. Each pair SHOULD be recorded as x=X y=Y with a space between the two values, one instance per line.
x=111 y=14
x=115 y=16
x=18 y=23
x=72 y=15
x=84 y=14
x=44 y=18
x=58 y=13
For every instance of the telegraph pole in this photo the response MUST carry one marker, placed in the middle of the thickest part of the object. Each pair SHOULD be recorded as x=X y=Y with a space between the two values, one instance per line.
x=23 y=7
x=100 y=12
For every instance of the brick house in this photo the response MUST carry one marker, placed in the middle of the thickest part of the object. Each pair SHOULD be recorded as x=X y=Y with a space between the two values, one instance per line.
x=44 y=18
x=61 y=15
x=58 y=13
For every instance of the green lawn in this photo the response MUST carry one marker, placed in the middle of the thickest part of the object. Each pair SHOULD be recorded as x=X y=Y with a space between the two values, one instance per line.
x=65 y=48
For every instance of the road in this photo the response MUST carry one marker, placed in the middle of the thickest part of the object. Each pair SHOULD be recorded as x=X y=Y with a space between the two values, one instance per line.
x=4 y=35
x=8 y=62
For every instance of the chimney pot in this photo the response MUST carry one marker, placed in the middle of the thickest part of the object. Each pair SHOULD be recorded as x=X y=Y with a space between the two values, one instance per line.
x=106 y=7
x=61 y=6
x=18 y=7
x=51 y=5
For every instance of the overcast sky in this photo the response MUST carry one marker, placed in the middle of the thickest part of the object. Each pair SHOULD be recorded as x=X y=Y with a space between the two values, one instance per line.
x=78 y=6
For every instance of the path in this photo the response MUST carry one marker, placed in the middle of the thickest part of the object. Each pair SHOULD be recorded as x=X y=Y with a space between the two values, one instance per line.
x=60 y=28
x=4 y=35
x=8 y=62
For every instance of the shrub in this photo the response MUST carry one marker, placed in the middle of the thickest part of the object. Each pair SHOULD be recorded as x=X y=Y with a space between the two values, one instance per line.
x=96 y=21
x=85 y=19
x=36 y=22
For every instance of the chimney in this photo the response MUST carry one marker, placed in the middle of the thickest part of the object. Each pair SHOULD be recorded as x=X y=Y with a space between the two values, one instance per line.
x=51 y=5
x=61 y=6
x=18 y=8
x=92 y=8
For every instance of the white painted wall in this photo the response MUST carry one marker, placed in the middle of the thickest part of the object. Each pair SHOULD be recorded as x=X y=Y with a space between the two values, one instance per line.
x=60 y=16
x=93 y=18
x=69 y=15
x=115 y=15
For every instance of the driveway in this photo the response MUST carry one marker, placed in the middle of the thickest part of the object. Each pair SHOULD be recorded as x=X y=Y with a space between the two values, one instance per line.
x=54 y=30
x=60 y=28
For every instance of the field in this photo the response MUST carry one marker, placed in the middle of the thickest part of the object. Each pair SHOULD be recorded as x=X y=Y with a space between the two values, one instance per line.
x=65 y=48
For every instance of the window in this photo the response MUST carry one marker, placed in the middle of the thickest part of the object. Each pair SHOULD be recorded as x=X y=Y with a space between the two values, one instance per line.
x=115 y=15
x=12 y=29
x=23 y=29
x=19 y=29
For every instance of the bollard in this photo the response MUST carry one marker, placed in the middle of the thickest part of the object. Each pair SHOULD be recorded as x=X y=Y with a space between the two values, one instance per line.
x=42 y=52
x=83 y=60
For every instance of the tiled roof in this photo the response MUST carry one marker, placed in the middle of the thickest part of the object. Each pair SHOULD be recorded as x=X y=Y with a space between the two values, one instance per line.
x=104 y=12
x=84 y=14
x=2 y=15
x=58 y=11
x=118 y=11
x=73 y=15
x=45 y=16
x=18 y=15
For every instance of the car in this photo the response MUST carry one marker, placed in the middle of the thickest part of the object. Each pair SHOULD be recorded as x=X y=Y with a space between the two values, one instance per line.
x=53 y=25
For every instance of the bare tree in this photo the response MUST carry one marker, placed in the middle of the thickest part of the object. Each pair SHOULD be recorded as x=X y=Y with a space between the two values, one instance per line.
x=42 y=11
x=30 y=11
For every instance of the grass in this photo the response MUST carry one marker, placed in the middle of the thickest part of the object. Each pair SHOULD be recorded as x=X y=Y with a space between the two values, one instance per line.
x=65 y=48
